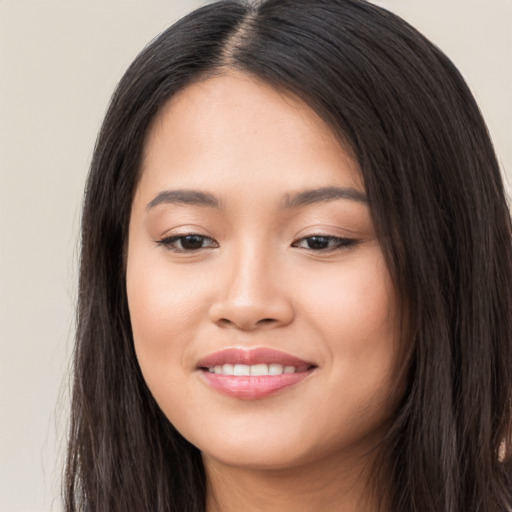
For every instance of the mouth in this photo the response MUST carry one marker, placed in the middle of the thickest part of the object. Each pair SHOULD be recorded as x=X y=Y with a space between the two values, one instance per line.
x=251 y=374
x=256 y=370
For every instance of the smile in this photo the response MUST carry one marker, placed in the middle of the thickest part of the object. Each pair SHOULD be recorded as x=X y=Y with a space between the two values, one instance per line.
x=252 y=374
x=254 y=369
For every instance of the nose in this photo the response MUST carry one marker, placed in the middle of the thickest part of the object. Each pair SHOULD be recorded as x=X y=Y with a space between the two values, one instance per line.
x=251 y=295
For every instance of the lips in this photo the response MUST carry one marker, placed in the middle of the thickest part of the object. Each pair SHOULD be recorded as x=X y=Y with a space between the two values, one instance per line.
x=252 y=374
x=252 y=357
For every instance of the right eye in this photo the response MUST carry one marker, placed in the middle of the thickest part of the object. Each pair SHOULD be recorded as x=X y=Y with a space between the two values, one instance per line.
x=188 y=243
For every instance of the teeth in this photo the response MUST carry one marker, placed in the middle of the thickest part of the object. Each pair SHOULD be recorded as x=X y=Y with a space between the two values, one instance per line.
x=259 y=369
x=241 y=369
x=275 y=369
x=228 y=369
x=254 y=369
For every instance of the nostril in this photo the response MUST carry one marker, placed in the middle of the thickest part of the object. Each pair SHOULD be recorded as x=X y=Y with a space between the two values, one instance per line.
x=246 y=325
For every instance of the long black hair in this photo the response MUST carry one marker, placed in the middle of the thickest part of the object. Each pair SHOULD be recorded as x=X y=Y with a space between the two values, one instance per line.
x=437 y=200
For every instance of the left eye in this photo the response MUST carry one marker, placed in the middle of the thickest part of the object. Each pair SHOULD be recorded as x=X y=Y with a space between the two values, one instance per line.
x=323 y=243
x=188 y=243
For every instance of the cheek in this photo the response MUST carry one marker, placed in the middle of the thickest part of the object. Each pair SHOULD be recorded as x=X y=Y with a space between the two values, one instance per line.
x=354 y=310
x=165 y=311
x=355 y=305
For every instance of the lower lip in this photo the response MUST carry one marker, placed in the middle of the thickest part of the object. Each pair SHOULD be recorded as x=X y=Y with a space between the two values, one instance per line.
x=253 y=387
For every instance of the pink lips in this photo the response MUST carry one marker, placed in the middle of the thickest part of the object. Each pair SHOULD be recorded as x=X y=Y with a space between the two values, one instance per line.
x=253 y=387
x=252 y=356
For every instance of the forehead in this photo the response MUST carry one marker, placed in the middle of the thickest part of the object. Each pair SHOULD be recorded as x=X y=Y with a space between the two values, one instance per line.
x=236 y=129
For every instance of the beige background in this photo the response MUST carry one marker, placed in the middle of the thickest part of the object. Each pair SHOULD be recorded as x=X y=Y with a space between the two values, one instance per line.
x=59 y=62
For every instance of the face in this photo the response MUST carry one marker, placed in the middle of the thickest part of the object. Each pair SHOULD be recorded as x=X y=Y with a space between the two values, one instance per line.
x=263 y=314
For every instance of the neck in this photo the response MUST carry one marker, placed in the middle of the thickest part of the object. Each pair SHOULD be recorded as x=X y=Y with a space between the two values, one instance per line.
x=329 y=487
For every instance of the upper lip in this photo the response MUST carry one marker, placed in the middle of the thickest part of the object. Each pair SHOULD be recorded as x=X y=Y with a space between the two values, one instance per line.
x=260 y=355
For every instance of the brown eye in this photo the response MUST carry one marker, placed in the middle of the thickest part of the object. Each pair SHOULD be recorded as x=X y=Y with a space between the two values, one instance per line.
x=188 y=243
x=191 y=242
x=317 y=242
x=323 y=243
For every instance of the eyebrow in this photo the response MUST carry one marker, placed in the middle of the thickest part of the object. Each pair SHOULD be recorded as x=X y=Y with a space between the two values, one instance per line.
x=304 y=198
x=324 y=194
x=190 y=197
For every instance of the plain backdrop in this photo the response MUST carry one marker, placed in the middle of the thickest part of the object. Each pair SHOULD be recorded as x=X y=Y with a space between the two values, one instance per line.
x=59 y=63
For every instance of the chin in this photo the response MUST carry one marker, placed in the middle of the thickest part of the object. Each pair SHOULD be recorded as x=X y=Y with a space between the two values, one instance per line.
x=256 y=457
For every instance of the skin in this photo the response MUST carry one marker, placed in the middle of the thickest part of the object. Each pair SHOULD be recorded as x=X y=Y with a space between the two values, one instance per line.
x=255 y=281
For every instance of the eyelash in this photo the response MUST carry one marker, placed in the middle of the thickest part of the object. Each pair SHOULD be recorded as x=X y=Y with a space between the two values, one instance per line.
x=337 y=243
x=171 y=241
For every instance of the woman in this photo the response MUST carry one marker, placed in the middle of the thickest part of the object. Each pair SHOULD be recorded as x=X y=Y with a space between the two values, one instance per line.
x=295 y=275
